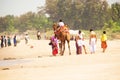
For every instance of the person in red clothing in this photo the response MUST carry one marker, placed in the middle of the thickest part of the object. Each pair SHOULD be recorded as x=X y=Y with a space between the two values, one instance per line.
x=54 y=44
x=78 y=43
x=104 y=41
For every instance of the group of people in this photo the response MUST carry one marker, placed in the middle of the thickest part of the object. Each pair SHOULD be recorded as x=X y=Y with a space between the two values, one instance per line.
x=92 y=42
x=80 y=44
x=79 y=41
x=6 y=41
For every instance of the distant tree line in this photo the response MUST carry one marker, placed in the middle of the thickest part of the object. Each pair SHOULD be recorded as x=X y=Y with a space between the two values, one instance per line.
x=77 y=14
x=28 y=21
x=84 y=14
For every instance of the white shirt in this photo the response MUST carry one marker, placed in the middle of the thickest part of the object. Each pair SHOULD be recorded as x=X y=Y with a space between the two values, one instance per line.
x=61 y=24
x=38 y=33
x=81 y=35
x=79 y=42
x=27 y=37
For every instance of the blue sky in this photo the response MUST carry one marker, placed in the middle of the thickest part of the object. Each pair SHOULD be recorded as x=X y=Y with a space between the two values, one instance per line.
x=19 y=7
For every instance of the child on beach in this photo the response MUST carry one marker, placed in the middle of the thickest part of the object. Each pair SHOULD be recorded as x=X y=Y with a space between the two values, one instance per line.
x=54 y=44
x=103 y=41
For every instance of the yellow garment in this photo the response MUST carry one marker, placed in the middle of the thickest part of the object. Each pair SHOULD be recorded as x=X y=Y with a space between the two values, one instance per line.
x=103 y=37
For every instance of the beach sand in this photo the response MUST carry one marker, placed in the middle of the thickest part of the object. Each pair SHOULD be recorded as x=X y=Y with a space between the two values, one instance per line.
x=34 y=61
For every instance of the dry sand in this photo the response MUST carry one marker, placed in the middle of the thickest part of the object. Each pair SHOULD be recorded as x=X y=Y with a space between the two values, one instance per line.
x=37 y=63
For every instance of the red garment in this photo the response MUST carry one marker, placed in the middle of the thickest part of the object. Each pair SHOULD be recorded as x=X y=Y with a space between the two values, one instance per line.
x=103 y=44
x=54 y=46
x=55 y=51
x=78 y=49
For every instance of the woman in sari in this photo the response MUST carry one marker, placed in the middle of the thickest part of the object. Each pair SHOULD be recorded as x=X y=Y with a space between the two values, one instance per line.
x=54 y=44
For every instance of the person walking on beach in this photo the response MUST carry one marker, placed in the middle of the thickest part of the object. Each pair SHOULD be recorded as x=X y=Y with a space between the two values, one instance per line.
x=81 y=36
x=9 y=41
x=54 y=44
x=92 y=41
x=104 y=41
x=5 y=41
x=15 y=40
x=38 y=35
x=78 y=43
x=26 y=38
x=2 y=42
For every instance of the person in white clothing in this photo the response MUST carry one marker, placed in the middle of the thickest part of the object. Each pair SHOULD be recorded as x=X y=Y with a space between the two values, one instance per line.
x=81 y=36
x=92 y=41
x=78 y=43
x=61 y=23
x=26 y=38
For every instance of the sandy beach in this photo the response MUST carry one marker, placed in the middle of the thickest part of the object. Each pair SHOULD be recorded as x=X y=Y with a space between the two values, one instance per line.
x=24 y=62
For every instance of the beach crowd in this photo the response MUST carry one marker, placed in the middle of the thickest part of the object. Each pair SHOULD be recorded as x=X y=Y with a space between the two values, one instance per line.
x=80 y=42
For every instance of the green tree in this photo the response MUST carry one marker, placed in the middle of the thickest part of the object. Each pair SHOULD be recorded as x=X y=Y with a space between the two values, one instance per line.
x=9 y=24
x=115 y=12
x=77 y=14
x=2 y=24
x=113 y=25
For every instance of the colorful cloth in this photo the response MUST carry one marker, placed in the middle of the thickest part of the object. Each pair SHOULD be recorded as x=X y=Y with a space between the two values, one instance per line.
x=78 y=49
x=54 y=43
x=103 y=41
x=103 y=37
x=103 y=44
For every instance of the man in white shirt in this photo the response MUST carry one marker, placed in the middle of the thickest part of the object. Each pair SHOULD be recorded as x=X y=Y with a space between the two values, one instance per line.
x=81 y=36
x=61 y=23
